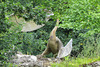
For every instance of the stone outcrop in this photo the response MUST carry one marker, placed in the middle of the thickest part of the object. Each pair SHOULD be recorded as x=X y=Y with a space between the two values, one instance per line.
x=32 y=61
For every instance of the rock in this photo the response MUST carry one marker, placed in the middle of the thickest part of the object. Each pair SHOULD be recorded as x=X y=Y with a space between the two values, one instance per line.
x=96 y=64
x=27 y=57
x=32 y=61
x=93 y=64
x=25 y=60
x=49 y=59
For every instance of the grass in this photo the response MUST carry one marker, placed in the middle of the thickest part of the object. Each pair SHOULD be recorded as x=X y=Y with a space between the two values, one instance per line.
x=75 y=62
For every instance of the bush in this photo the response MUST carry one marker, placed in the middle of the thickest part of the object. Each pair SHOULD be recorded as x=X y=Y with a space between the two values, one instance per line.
x=91 y=46
x=79 y=19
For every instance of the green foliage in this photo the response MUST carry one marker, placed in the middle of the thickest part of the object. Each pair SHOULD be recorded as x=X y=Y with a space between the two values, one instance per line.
x=75 y=62
x=3 y=23
x=82 y=14
x=91 y=46
x=76 y=15
x=27 y=11
x=79 y=18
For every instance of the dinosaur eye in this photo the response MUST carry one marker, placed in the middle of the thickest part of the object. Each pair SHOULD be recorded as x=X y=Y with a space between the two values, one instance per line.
x=51 y=36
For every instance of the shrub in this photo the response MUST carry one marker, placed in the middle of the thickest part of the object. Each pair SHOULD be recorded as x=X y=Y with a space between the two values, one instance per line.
x=91 y=46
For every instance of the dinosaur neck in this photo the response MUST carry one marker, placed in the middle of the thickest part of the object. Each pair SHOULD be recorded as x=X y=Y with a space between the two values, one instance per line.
x=53 y=34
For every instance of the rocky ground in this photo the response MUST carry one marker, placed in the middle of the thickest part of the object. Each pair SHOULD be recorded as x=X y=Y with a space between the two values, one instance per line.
x=32 y=61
